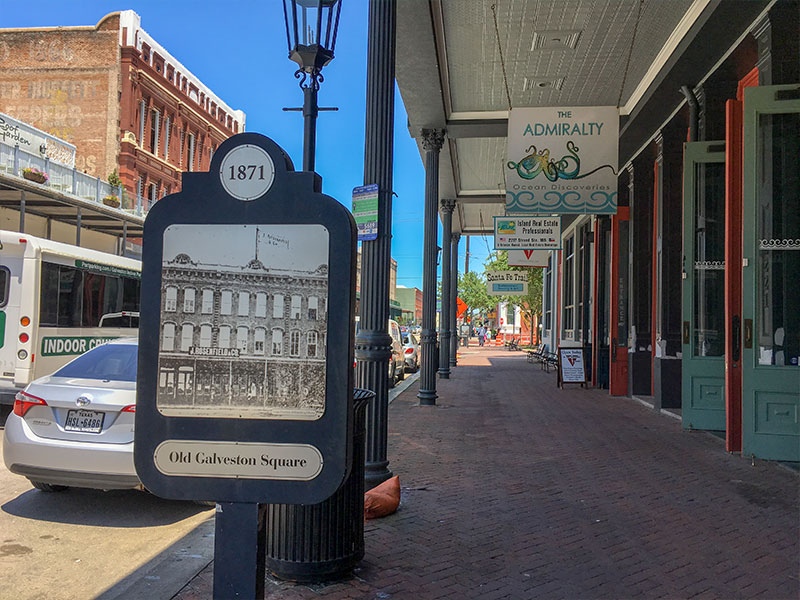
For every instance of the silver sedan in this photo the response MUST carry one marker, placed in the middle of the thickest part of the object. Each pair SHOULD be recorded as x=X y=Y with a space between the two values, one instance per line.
x=74 y=428
x=410 y=352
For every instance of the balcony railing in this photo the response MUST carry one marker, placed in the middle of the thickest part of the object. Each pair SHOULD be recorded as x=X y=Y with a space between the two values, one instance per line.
x=67 y=180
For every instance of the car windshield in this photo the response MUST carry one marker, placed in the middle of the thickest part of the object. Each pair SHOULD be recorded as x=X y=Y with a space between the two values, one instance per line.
x=405 y=338
x=115 y=362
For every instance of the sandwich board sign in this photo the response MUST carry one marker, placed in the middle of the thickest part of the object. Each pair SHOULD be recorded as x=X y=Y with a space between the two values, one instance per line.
x=571 y=368
x=245 y=375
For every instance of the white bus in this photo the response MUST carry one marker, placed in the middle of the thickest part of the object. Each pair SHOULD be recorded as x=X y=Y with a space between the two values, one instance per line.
x=53 y=297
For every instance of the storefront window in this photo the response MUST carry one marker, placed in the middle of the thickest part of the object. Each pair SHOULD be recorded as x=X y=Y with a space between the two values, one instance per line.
x=709 y=260
x=778 y=233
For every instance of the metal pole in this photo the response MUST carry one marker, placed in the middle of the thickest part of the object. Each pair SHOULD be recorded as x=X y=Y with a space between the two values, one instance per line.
x=373 y=347
x=78 y=227
x=310 y=112
x=454 y=299
x=22 y=211
x=444 y=322
x=432 y=140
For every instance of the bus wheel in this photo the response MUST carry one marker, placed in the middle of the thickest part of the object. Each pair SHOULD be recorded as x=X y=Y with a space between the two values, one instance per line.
x=47 y=487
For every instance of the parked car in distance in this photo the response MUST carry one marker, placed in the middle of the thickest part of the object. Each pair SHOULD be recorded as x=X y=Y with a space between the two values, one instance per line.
x=397 y=370
x=411 y=352
x=74 y=428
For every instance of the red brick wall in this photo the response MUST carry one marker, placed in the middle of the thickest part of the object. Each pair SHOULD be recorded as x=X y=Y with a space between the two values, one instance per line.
x=65 y=81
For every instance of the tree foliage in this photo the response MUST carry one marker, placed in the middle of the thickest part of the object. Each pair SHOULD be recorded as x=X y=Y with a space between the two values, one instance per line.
x=472 y=290
x=531 y=304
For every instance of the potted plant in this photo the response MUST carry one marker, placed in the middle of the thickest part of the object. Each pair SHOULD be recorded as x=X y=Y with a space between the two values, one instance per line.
x=111 y=200
x=34 y=174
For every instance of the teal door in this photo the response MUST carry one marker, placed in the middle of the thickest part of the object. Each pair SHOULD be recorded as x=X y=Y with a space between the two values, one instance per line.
x=703 y=303
x=771 y=273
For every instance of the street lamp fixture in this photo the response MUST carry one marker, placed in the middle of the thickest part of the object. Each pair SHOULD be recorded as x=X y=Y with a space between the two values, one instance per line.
x=311 y=27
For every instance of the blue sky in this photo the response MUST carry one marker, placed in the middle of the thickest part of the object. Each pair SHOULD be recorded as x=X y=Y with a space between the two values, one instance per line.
x=238 y=49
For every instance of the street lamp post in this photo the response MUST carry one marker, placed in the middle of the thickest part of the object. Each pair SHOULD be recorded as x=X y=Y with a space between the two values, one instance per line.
x=311 y=27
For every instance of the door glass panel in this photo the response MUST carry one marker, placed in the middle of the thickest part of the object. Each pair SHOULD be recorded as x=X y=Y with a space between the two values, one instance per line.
x=778 y=240
x=622 y=298
x=709 y=260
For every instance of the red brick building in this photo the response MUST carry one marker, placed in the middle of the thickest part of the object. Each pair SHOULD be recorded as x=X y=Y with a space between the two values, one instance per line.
x=119 y=96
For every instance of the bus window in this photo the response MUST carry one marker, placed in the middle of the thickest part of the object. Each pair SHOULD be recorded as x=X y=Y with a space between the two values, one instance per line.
x=4 y=278
x=70 y=285
x=48 y=316
x=130 y=294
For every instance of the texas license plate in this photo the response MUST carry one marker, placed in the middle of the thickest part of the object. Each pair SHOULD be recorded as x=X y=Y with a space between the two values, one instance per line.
x=87 y=421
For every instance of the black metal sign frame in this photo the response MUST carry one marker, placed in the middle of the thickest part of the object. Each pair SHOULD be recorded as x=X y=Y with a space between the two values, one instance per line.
x=293 y=198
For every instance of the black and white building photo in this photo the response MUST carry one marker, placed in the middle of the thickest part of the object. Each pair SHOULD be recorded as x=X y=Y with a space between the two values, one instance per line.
x=243 y=321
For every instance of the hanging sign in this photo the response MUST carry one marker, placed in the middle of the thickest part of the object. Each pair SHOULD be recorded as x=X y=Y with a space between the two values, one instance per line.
x=528 y=258
x=365 y=211
x=507 y=283
x=527 y=233
x=562 y=160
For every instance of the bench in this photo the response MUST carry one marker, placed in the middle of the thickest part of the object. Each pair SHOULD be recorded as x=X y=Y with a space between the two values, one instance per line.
x=538 y=354
x=550 y=359
x=512 y=344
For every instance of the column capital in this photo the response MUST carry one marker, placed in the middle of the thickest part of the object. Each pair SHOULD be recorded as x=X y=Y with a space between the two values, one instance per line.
x=432 y=139
x=448 y=205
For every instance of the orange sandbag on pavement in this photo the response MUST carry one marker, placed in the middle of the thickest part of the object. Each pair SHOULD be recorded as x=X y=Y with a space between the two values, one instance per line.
x=383 y=499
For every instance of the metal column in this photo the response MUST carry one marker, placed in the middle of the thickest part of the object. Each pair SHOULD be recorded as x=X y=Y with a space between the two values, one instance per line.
x=373 y=344
x=22 y=211
x=454 y=299
x=432 y=140
x=444 y=320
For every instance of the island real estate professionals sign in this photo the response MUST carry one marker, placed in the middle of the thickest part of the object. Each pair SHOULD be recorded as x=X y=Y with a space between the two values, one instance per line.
x=562 y=160
x=527 y=233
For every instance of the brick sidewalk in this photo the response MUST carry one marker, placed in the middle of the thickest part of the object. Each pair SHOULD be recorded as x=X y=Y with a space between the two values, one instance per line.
x=515 y=489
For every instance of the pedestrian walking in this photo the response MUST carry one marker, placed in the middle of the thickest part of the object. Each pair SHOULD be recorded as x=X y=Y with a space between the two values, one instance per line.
x=481 y=335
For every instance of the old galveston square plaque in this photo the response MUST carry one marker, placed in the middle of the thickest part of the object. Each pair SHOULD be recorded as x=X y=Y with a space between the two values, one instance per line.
x=246 y=344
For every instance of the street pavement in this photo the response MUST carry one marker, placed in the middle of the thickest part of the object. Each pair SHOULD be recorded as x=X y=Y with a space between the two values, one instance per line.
x=86 y=543
x=512 y=488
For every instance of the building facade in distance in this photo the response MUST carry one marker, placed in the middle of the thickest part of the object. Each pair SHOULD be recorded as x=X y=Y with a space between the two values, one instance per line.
x=119 y=97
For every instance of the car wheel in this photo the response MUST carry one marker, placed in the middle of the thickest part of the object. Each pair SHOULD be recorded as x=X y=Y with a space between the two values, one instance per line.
x=392 y=376
x=416 y=365
x=48 y=487
x=402 y=375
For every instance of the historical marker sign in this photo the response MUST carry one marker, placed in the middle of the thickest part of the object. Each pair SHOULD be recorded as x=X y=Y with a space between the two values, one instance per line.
x=245 y=374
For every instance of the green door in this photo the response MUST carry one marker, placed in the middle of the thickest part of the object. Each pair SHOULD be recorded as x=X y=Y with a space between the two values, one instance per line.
x=771 y=273
x=703 y=303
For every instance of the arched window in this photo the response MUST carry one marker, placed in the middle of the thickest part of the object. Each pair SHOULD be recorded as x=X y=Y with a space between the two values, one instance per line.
x=311 y=341
x=205 y=336
x=168 y=337
x=295 y=314
x=224 y=340
x=208 y=302
x=312 y=308
x=170 y=299
x=261 y=304
x=259 y=339
x=226 y=303
x=188 y=300
x=244 y=304
x=277 y=306
x=241 y=338
x=187 y=333
x=294 y=343
x=277 y=342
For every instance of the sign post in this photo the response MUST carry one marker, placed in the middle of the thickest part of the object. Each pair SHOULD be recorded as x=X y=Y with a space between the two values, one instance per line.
x=246 y=348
